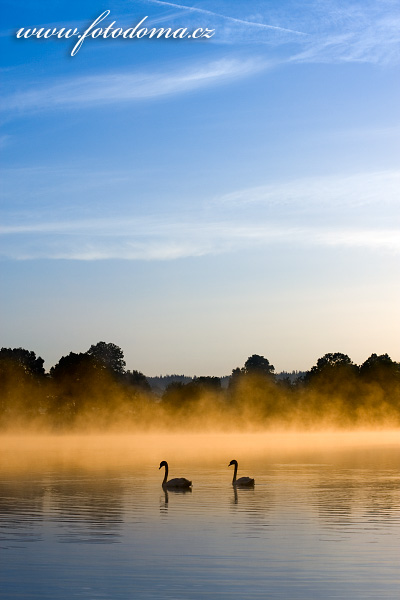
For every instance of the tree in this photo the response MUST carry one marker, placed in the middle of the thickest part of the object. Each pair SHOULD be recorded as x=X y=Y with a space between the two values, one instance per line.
x=330 y=366
x=137 y=380
x=206 y=383
x=258 y=365
x=252 y=389
x=22 y=383
x=24 y=359
x=175 y=394
x=73 y=368
x=332 y=389
x=108 y=356
x=76 y=379
x=381 y=369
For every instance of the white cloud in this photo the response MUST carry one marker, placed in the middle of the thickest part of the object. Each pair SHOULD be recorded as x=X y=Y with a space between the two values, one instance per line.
x=242 y=22
x=110 y=88
x=352 y=32
x=327 y=31
x=147 y=239
x=372 y=239
x=352 y=211
x=366 y=32
x=381 y=187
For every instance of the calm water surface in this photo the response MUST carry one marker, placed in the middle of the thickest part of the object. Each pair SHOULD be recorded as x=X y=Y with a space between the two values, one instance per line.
x=320 y=523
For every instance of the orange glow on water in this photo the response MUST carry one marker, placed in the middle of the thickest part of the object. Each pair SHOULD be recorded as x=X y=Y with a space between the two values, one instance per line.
x=113 y=451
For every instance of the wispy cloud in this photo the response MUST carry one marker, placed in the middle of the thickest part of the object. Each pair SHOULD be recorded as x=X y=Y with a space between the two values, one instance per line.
x=327 y=31
x=352 y=211
x=353 y=190
x=126 y=87
x=144 y=239
x=354 y=31
x=387 y=239
x=243 y=22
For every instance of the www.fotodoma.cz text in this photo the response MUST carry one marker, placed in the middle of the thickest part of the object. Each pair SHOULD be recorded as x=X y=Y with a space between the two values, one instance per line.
x=111 y=32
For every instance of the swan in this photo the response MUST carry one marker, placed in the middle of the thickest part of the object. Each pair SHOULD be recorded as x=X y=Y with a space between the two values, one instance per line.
x=242 y=481
x=177 y=483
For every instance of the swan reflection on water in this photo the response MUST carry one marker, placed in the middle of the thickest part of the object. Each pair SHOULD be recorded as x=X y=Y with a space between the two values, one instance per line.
x=243 y=490
x=164 y=501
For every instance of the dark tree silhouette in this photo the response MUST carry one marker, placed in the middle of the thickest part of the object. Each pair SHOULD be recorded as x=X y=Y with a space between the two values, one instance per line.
x=235 y=377
x=381 y=378
x=73 y=368
x=26 y=359
x=258 y=365
x=93 y=388
x=137 y=380
x=254 y=366
x=381 y=369
x=206 y=383
x=332 y=390
x=76 y=379
x=330 y=366
x=22 y=383
x=178 y=393
x=109 y=356
x=175 y=394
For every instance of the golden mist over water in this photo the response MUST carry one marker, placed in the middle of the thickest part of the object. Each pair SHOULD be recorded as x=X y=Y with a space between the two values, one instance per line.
x=82 y=395
x=98 y=451
x=94 y=420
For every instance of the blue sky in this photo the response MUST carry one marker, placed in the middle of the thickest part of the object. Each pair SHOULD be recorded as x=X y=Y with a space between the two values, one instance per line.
x=199 y=201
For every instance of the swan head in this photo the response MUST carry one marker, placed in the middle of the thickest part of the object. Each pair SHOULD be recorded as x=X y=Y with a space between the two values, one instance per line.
x=233 y=462
x=163 y=463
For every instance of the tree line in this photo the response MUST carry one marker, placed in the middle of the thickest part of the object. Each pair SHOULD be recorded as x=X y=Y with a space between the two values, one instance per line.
x=93 y=389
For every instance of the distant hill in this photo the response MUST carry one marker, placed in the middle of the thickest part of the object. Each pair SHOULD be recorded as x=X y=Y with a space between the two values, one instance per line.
x=292 y=376
x=160 y=382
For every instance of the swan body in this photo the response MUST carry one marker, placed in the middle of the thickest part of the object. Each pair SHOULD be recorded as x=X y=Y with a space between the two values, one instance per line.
x=242 y=481
x=178 y=483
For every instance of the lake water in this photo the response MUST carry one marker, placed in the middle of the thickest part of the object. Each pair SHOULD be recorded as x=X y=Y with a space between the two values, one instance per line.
x=86 y=517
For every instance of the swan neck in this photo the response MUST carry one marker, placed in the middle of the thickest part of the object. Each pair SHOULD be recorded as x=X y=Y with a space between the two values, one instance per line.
x=165 y=474
x=235 y=473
